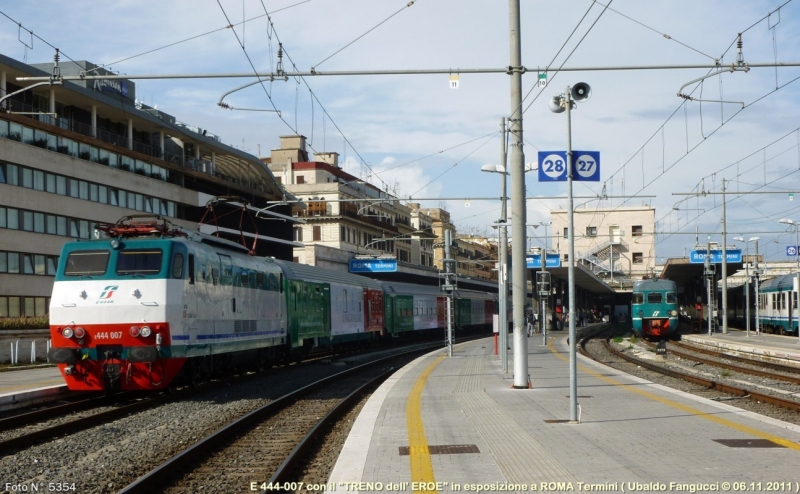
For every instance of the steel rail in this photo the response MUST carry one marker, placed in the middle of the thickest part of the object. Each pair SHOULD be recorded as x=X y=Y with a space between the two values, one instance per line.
x=294 y=458
x=154 y=480
x=736 y=368
x=718 y=386
x=43 y=414
x=75 y=425
x=789 y=369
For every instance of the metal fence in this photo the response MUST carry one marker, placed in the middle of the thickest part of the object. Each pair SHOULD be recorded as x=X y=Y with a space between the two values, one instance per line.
x=16 y=352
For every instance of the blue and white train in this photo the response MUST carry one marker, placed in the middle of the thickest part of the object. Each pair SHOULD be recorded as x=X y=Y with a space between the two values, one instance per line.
x=777 y=305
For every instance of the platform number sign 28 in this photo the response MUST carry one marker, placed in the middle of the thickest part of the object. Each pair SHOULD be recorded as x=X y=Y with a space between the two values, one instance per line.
x=553 y=166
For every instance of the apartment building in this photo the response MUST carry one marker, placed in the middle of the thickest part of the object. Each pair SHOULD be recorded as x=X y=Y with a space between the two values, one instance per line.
x=348 y=214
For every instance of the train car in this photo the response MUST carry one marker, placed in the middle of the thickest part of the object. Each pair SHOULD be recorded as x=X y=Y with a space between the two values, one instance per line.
x=474 y=309
x=777 y=305
x=654 y=308
x=152 y=304
x=128 y=312
x=327 y=306
x=410 y=308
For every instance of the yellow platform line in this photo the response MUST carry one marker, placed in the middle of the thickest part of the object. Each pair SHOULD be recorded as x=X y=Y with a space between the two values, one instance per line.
x=685 y=408
x=418 y=453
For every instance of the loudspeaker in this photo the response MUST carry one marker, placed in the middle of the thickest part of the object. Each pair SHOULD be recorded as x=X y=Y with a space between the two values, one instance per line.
x=581 y=91
x=555 y=104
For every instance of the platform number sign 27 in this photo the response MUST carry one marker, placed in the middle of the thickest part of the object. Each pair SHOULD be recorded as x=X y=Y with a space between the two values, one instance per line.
x=553 y=166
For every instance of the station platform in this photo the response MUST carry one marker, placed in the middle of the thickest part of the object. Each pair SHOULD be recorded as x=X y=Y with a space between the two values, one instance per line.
x=451 y=424
x=783 y=348
x=32 y=385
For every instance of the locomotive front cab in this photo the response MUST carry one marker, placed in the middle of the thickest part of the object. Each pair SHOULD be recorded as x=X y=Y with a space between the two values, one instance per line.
x=109 y=313
x=654 y=309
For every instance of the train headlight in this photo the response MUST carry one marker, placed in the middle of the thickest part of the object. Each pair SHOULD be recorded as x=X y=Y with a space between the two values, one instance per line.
x=146 y=331
x=115 y=243
x=67 y=333
x=79 y=332
x=135 y=331
x=641 y=313
x=673 y=313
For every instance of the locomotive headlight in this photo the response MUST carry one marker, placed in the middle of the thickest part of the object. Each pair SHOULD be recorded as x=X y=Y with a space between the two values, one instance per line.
x=673 y=313
x=115 y=243
x=641 y=313
x=67 y=333
x=134 y=331
x=79 y=333
x=146 y=331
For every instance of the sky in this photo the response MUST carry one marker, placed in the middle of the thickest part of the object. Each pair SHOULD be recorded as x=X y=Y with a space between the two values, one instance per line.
x=418 y=137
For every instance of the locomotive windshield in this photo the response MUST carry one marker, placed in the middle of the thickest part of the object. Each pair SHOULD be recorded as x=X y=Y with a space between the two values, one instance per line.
x=87 y=263
x=638 y=299
x=672 y=298
x=654 y=297
x=139 y=262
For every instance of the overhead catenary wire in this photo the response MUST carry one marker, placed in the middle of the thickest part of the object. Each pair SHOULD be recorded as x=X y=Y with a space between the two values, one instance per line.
x=406 y=6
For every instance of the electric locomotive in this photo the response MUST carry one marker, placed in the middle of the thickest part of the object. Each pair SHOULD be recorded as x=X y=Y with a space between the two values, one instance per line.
x=654 y=308
x=777 y=305
x=128 y=312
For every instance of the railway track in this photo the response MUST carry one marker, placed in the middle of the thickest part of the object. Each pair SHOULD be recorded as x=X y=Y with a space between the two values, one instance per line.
x=723 y=386
x=267 y=445
x=751 y=366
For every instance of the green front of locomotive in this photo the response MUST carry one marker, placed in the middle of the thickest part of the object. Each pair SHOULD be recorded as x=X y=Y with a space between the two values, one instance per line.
x=654 y=308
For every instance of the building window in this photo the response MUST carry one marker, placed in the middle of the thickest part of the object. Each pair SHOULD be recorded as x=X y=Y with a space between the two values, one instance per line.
x=636 y=230
x=638 y=258
x=317 y=233
x=301 y=179
x=566 y=232
x=298 y=234
x=591 y=231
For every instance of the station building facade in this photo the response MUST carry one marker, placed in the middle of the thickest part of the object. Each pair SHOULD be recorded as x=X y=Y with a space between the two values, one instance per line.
x=75 y=155
x=616 y=244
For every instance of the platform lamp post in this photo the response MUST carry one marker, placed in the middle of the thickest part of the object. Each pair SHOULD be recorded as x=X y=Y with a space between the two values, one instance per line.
x=747 y=279
x=502 y=272
x=797 y=257
x=579 y=92
x=502 y=280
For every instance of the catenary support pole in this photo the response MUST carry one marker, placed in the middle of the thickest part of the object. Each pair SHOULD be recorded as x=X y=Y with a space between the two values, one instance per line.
x=518 y=216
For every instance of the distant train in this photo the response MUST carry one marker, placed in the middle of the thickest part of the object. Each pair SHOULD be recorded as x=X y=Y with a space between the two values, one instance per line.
x=777 y=305
x=654 y=308
x=152 y=304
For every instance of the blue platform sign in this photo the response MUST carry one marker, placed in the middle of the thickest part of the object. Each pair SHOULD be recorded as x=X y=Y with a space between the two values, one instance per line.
x=373 y=265
x=535 y=261
x=553 y=166
x=791 y=250
x=699 y=256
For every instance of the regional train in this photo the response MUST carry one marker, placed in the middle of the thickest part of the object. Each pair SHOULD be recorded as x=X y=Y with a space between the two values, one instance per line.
x=654 y=308
x=151 y=305
x=777 y=305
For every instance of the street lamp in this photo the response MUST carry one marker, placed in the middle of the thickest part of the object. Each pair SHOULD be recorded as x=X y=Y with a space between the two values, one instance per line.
x=747 y=279
x=502 y=287
x=559 y=103
x=797 y=279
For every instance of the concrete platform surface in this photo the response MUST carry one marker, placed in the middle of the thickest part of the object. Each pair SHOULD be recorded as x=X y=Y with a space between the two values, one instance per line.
x=454 y=424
